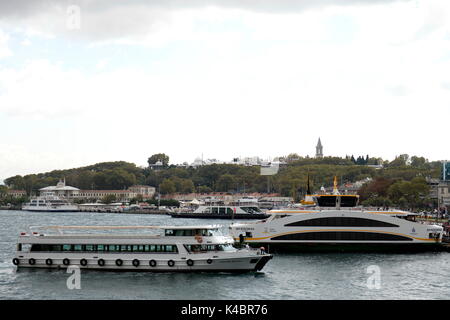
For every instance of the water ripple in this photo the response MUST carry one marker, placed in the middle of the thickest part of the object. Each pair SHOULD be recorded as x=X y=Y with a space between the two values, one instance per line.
x=287 y=276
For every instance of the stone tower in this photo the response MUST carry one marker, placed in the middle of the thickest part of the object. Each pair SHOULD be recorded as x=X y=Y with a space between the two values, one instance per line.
x=319 y=150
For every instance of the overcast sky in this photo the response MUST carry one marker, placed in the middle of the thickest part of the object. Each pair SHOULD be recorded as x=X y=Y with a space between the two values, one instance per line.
x=88 y=81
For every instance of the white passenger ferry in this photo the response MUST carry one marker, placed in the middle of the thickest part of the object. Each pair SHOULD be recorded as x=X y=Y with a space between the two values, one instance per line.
x=339 y=229
x=50 y=203
x=178 y=248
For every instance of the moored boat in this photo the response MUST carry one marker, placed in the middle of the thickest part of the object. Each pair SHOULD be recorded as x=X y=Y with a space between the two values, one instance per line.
x=335 y=223
x=50 y=203
x=339 y=230
x=178 y=248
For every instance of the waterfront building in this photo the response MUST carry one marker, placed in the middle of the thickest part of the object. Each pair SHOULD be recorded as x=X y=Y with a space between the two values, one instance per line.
x=16 y=193
x=68 y=192
x=145 y=191
x=319 y=149
x=121 y=195
x=60 y=190
x=443 y=194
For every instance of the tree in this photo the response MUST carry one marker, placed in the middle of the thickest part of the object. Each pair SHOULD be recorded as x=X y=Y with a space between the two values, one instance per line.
x=204 y=189
x=226 y=182
x=167 y=187
x=401 y=160
x=159 y=157
x=3 y=191
x=414 y=193
x=187 y=186
x=109 y=198
x=15 y=182
x=419 y=162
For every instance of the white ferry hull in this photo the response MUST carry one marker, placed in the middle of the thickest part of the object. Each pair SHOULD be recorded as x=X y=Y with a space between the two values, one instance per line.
x=237 y=264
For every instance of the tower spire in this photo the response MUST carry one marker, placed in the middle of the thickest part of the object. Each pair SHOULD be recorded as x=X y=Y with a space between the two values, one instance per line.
x=319 y=149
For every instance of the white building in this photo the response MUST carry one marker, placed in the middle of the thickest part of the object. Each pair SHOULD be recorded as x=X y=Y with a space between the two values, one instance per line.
x=60 y=190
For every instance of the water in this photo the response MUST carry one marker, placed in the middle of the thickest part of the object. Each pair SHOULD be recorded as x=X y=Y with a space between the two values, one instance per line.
x=285 y=277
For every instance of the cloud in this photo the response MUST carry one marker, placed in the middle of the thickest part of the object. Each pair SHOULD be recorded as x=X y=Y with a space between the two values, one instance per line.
x=115 y=20
x=5 y=51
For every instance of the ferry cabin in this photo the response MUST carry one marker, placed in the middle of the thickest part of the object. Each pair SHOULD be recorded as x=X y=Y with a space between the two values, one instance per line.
x=178 y=249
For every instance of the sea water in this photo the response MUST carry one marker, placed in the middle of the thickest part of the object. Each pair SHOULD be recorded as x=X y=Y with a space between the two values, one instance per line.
x=285 y=277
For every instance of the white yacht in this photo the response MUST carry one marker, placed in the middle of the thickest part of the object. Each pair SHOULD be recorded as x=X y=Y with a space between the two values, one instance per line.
x=339 y=229
x=50 y=203
x=178 y=248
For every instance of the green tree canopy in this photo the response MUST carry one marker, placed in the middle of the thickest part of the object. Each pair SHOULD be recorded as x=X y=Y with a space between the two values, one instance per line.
x=159 y=157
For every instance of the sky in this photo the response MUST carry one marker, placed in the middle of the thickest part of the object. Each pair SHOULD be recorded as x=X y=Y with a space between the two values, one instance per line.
x=87 y=81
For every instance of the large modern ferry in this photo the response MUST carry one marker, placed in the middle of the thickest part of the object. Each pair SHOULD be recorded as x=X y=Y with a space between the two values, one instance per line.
x=336 y=224
x=50 y=203
x=339 y=230
x=178 y=248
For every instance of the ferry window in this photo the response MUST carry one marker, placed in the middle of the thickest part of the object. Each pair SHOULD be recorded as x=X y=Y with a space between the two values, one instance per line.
x=77 y=247
x=342 y=235
x=35 y=247
x=222 y=210
x=215 y=210
x=171 y=248
x=179 y=233
x=55 y=247
x=341 y=222
x=229 y=211
x=114 y=248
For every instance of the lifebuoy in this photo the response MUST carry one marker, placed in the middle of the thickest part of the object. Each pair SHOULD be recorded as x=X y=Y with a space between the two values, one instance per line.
x=16 y=261
x=83 y=262
x=66 y=261
x=119 y=262
x=31 y=261
x=209 y=261
x=101 y=262
x=190 y=262
x=171 y=263
x=136 y=263
x=49 y=262
x=152 y=263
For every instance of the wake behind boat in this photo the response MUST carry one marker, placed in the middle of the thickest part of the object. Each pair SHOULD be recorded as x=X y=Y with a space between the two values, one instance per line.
x=179 y=248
